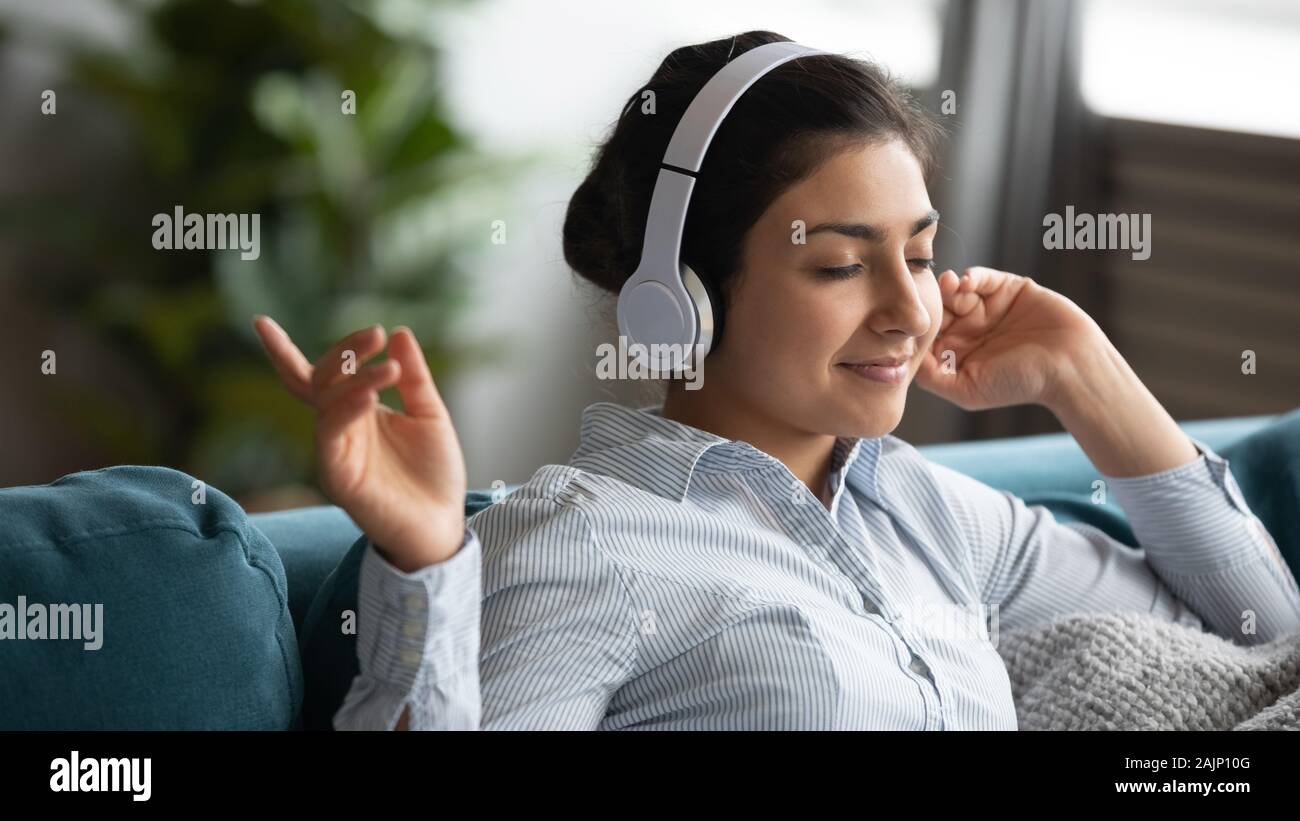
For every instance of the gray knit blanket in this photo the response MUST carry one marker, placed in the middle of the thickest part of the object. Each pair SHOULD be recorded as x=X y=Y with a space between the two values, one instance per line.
x=1135 y=671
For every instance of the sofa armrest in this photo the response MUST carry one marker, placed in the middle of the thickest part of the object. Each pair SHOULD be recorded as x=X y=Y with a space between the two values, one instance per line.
x=1054 y=462
x=311 y=541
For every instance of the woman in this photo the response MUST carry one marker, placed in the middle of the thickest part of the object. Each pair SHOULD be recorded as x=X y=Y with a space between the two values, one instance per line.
x=761 y=552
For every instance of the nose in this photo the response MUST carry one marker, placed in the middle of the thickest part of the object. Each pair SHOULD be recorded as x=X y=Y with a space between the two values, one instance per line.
x=897 y=304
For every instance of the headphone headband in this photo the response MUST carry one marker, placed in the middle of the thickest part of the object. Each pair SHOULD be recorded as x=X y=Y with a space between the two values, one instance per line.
x=664 y=302
x=714 y=101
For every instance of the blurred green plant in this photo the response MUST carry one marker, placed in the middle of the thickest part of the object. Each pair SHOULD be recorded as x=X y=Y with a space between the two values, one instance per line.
x=237 y=107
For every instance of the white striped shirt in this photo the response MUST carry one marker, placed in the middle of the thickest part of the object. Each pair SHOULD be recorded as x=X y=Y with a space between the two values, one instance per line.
x=669 y=578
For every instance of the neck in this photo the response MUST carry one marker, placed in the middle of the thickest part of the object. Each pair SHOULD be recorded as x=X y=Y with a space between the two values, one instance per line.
x=806 y=454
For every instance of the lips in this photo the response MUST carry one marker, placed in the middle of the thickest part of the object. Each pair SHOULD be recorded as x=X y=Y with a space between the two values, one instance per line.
x=889 y=370
x=882 y=361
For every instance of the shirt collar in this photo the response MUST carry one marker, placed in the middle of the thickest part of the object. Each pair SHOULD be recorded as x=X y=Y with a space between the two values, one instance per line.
x=642 y=448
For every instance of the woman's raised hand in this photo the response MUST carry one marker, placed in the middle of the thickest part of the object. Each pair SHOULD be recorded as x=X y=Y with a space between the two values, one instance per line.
x=400 y=476
x=1005 y=340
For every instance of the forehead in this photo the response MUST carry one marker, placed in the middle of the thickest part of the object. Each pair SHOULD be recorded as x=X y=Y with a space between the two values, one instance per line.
x=880 y=181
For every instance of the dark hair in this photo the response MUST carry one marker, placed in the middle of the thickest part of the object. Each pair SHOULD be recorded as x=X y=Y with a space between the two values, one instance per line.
x=782 y=129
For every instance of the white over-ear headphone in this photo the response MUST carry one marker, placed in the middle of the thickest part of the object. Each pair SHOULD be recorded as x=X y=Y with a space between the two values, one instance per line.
x=664 y=305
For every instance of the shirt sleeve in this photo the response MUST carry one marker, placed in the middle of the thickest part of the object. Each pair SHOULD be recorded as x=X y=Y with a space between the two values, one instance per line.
x=417 y=644
x=1203 y=559
x=536 y=635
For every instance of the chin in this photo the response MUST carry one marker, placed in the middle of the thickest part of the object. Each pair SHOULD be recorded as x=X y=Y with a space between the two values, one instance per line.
x=875 y=422
x=887 y=418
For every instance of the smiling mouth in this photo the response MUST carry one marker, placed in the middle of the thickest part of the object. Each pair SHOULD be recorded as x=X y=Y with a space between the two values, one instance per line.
x=885 y=370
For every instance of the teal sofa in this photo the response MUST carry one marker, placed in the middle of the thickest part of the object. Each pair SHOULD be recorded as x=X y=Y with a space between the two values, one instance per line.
x=218 y=619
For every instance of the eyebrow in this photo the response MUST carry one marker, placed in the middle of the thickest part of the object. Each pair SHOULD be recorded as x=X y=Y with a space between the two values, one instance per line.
x=861 y=230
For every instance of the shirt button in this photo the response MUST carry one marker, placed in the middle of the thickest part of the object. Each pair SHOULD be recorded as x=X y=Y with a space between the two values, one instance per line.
x=870 y=606
x=415 y=602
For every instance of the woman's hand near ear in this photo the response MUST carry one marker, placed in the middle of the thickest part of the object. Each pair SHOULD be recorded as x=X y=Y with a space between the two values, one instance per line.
x=399 y=475
x=1004 y=340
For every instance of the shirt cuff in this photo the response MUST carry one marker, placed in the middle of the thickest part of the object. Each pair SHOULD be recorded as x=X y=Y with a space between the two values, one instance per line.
x=421 y=625
x=1193 y=518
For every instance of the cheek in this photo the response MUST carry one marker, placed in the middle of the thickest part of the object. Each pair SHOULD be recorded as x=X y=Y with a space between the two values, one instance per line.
x=791 y=324
x=822 y=323
x=779 y=340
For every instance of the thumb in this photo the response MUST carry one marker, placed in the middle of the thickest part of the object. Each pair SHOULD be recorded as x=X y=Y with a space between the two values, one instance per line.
x=934 y=373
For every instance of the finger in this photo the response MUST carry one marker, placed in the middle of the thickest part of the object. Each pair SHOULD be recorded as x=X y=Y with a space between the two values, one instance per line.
x=332 y=424
x=995 y=289
x=930 y=374
x=941 y=349
x=420 y=396
x=290 y=365
x=372 y=377
x=976 y=285
x=949 y=282
x=964 y=302
x=363 y=344
x=982 y=280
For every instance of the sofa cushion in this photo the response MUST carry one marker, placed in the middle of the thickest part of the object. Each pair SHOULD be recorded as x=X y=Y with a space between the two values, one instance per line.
x=185 y=612
x=1054 y=462
x=1266 y=465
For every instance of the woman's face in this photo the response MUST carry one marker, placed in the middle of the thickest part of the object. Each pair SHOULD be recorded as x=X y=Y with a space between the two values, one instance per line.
x=793 y=329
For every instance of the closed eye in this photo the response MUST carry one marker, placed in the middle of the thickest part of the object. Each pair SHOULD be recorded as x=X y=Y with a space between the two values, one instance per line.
x=843 y=272
x=848 y=271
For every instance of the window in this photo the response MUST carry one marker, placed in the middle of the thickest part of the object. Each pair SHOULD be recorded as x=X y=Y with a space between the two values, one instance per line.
x=1209 y=63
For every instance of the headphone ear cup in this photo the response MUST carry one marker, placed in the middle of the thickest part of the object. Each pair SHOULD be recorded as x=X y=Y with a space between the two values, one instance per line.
x=708 y=308
x=715 y=302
